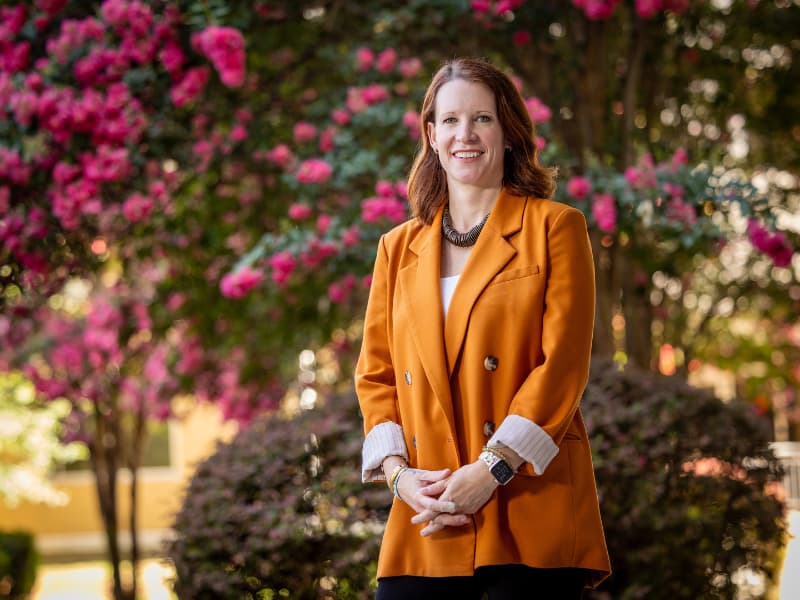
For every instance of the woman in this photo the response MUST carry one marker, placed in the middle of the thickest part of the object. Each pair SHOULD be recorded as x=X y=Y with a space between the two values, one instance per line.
x=476 y=350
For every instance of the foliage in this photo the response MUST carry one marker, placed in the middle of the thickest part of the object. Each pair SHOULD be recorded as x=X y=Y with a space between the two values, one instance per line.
x=282 y=507
x=18 y=564
x=30 y=444
x=685 y=482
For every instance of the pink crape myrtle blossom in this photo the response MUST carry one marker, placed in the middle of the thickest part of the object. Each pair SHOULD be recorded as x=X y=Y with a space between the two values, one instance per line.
x=282 y=264
x=340 y=116
x=238 y=283
x=643 y=176
x=504 y=6
x=596 y=10
x=339 y=291
x=109 y=164
x=299 y=211
x=410 y=67
x=604 y=211
x=411 y=122
x=190 y=86
x=647 y=9
x=364 y=59
x=304 y=132
x=323 y=224
x=678 y=211
x=679 y=159
x=374 y=209
x=317 y=251
x=327 y=139
x=374 y=93
x=677 y=6
x=386 y=61
x=137 y=207
x=351 y=236
x=314 y=170
x=538 y=111
x=224 y=47
x=480 y=7
x=385 y=189
x=281 y=155
x=578 y=187
x=774 y=245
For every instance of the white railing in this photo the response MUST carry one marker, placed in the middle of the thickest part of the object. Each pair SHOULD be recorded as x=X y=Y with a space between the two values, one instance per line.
x=788 y=453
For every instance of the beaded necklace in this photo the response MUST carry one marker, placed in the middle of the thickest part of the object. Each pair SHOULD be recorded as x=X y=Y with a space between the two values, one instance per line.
x=457 y=238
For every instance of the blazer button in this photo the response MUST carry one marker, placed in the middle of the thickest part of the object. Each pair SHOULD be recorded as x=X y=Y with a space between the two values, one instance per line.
x=488 y=429
x=408 y=377
x=414 y=441
x=490 y=363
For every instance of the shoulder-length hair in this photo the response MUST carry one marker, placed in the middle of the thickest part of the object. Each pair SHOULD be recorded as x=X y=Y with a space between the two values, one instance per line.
x=522 y=173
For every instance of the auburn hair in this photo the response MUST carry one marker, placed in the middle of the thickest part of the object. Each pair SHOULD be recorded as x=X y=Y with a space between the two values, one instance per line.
x=522 y=173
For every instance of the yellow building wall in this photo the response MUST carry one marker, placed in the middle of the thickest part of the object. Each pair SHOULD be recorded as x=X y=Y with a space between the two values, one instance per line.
x=76 y=528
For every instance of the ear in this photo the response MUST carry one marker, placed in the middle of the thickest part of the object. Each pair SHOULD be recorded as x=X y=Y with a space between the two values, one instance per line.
x=431 y=134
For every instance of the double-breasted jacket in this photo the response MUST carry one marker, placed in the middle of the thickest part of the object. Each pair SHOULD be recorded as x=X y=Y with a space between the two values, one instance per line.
x=516 y=341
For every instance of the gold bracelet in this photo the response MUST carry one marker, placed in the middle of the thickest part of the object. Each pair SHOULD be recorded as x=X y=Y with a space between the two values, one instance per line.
x=497 y=453
x=395 y=472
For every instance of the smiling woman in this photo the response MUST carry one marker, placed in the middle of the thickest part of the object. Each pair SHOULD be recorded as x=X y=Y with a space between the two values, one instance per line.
x=471 y=404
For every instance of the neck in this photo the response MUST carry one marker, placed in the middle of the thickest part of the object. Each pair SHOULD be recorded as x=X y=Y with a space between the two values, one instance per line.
x=468 y=205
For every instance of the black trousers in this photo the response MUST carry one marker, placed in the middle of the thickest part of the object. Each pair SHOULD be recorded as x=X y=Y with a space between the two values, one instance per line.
x=496 y=582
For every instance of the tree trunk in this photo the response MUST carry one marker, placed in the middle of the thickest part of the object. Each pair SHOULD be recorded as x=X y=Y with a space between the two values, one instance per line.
x=632 y=84
x=134 y=461
x=607 y=296
x=638 y=314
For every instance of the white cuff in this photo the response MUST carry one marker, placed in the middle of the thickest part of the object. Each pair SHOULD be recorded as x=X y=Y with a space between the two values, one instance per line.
x=527 y=439
x=385 y=439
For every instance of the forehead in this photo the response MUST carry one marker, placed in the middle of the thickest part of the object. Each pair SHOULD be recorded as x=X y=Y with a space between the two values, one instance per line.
x=460 y=95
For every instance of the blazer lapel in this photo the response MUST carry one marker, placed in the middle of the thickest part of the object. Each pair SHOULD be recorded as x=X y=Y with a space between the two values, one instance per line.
x=421 y=289
x=491 y=253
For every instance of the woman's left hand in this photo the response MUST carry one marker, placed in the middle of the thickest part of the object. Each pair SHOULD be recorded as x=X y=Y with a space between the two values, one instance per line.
x=470 y=487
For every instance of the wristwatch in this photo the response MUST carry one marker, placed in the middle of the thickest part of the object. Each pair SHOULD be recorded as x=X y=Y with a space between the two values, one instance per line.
x=499 y=468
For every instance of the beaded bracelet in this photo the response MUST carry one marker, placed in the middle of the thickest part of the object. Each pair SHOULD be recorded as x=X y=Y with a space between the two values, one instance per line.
x=395 y=482
x=390 y=479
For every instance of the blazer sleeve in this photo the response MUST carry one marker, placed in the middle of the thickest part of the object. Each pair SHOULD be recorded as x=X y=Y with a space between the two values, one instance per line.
x=374 y=377
x=545 y=404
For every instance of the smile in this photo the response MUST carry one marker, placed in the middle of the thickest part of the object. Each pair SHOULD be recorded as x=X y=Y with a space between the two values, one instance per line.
x=472 y=154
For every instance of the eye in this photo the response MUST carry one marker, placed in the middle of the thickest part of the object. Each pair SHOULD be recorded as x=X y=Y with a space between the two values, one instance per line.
x=449 y=120
x=483 y=118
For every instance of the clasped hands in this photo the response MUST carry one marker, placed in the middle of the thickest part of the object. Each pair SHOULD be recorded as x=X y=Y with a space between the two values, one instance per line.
x=445 y=498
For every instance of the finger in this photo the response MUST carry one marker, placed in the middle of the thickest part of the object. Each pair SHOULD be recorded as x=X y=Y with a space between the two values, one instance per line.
x=434 y=489
x=424 y=516
x=437 y=506
x=433 y=476
x=452 y=520
x=431 y=528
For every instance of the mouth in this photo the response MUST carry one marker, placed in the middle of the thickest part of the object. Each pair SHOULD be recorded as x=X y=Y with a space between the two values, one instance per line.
x=467 y=153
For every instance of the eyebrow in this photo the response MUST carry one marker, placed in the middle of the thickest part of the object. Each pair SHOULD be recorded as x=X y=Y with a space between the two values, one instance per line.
x=480 y=110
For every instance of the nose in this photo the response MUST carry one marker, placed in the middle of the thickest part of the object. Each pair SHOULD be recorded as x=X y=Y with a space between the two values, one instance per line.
x=466 y=130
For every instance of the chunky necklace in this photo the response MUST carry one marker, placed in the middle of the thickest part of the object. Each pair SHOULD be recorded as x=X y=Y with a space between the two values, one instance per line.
x=457 y=238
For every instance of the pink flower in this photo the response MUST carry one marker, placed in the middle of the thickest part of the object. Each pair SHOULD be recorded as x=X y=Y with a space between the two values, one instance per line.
x=340 y=116
x=596 y=9
x=137 y=207
x=304 y=132
x=410 y=67
x=521 y=38
x=578 y=187
x=540 y=143
x=374 y=209
x=677 y=6
x=238 y=133
x=386 y=60
x=643 y=176
x=679 y=211
x=51 y=7
x=323 y=223
x=338 y=291
x=673 y=189
x=538 y=111
x=299 y=211
x=351 y=236
x=384 y=189
x=402 y=188
x=280 y=155
x=282 y=265
x=224 y=47
x=647 y=9
x=480 y=7
x=604 y=211
x=364 y=59
x=679 y=159
x=355 y=100
x=241 y=281
x=314 y=170
x=5 y=195
x=189 y=87
x=327 y=139
x=411 y=121
x=172 y=57
x=372 y=94
x=776 y=245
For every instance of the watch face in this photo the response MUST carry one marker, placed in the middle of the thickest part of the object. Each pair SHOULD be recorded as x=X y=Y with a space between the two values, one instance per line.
x=502 y=472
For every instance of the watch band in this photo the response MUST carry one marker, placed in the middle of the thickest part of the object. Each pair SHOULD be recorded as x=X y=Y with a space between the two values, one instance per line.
x=498 y=467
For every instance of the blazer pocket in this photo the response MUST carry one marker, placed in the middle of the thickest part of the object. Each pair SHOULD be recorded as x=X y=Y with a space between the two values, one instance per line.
x=512 y=274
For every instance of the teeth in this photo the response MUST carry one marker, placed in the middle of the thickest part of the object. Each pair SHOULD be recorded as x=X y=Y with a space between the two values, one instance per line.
x=467 y=154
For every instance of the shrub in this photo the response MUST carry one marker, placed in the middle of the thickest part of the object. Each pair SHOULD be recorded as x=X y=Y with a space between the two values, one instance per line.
x=18 y=563
x=282 y=507
x=683 y=481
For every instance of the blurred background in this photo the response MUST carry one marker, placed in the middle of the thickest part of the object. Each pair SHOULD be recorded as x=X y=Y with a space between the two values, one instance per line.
x=191 y=194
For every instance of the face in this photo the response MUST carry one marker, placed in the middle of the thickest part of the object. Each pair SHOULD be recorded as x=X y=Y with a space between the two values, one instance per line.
x=467 y=135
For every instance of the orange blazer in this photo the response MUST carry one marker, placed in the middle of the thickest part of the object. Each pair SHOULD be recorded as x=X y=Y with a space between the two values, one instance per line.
x=517 y=340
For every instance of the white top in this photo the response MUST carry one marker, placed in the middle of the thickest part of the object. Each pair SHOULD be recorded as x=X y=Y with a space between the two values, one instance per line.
x=448 y=287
